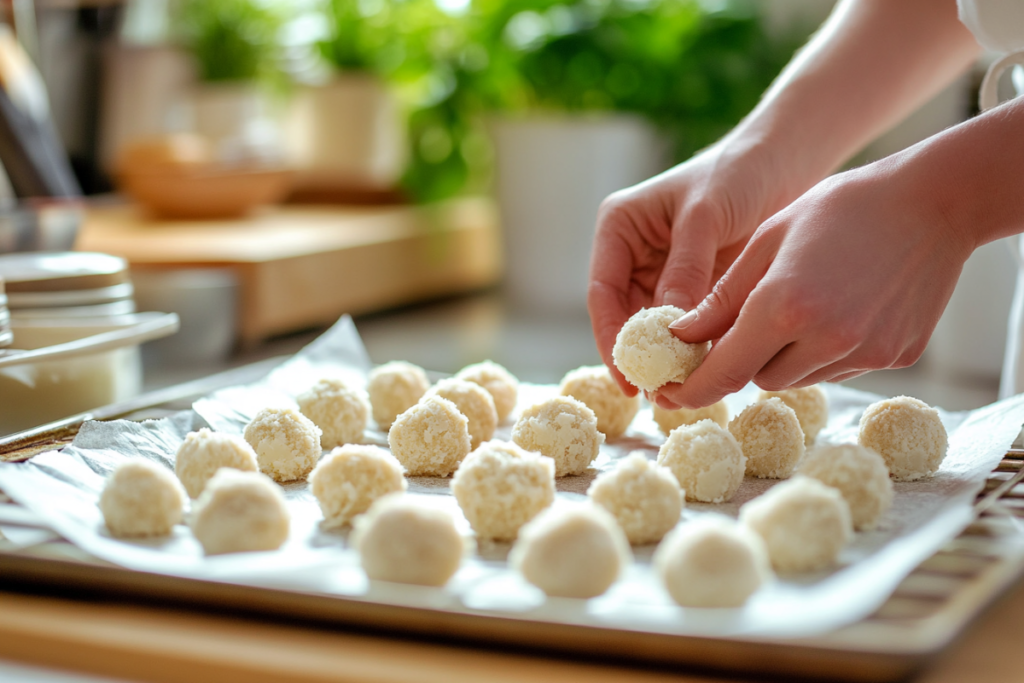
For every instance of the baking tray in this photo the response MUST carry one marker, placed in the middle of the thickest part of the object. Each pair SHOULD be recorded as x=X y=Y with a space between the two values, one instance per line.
x=924 y=615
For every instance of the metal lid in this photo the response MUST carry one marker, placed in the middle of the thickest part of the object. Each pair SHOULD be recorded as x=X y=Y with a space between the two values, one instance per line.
x=61 y=271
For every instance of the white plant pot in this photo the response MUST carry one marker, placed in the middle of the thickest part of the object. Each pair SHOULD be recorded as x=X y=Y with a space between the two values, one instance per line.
x=552 y=174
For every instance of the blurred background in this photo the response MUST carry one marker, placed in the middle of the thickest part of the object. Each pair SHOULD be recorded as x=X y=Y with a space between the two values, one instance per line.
x=434 y=167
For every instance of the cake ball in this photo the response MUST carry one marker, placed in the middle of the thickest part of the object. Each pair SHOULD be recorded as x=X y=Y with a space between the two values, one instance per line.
x=810 y=405
x=500 y=487
x=571 y=552
x=563 y=429
x=595 y=388
x=401 y=540
x=649 y=355
x=394 y=388
x=287 y=443
x=644 y=498
x=240 y=512
x=804 y=524
x=204 y=452
x=141 y=498
x=859 y=474
x=712 y=562
x=667 y=420
x=340 y=413
x=769 y=434
x=499 y=383
x=474 y=402
x=431 y=438
x=706 y=460
x=907 y=433
x=351 y=478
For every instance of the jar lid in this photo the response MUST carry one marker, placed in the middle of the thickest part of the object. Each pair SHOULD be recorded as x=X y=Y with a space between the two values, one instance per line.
x=61 y=271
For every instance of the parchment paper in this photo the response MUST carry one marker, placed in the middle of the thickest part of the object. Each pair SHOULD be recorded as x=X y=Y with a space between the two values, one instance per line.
x=63 y=487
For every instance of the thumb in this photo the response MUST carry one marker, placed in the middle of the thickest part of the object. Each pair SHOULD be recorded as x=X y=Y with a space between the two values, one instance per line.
x=686 y=275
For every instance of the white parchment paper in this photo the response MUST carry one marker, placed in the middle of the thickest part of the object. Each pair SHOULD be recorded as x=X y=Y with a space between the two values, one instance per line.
x=63 y=487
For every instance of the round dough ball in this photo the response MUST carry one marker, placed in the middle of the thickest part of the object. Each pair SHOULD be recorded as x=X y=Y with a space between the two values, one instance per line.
x=644 y=498
x=769 y=434
x=500 y=487
x=401 y=540
x=712 y=562
x=240 y=512
x=804 y=524
x=907 y=433
x=706 y=460
x=649 y=355
x=204 y=452
x=474 y=402
x=287 y=443
x=141 y=498
x=810 y=405
x=594 y=387
x=351 y=478
x=340 y=413
x=563 y=429
x=499 y=383
x=394 y=388
x=431 y=438
x=859 y=474
x=668 y=420
x=575 y=552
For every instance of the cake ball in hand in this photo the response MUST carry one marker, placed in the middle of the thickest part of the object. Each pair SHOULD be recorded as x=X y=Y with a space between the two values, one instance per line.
x=474 y=402
x=431 y=438
x=564 y=430
x=240 y=512
x=571 y=552
x=286 y=442
x=649 y=356
x=394 y=388
x=810 y=405
x=400 y=539
x=341 y=413
x=499 y=383
x=500 y=487
x=348 y=480
x=204 y=452
x=712 y=562
x=859 y=474
x=908 y=434
x=706 y=460
x=594 y=387
x=667 y=420
x=141 y=498
x=644 y=498
x=769 y=434
x=804 y=524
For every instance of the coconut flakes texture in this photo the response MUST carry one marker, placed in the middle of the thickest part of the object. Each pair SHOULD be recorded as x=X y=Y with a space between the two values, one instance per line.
x=287 y=443
x=571 y=552
x=351 y=478
x=394 y=388
x=499 y=383
x=500 y=487
x=804 y=524
x=712 y=562
x=473 y=401
x=769 y=434
x=240 y=512
x=400 y=539
x=341 y=413
x=706 y=460
x=644 y=498
x=564 y=430
x=649 y=355
x=594 y=387
x=810 y=405
x=859 y=474
x=667 y=420
x=141 y=498
x=908 y=434
x=431 y=438
x=204 y=452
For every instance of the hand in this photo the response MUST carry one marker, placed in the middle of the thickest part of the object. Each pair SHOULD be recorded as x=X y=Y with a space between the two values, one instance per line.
x=851 y=277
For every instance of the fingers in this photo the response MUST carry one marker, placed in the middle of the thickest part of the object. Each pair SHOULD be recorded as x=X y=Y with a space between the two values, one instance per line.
x=794 y=364
x=611 y=268
x=686 y=277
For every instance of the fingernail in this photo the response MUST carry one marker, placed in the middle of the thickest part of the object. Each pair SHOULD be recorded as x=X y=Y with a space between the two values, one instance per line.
x=684 y=321
x=674 y=297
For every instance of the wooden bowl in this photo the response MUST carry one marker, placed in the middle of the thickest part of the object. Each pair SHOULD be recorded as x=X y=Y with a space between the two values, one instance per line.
x=206 y=192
